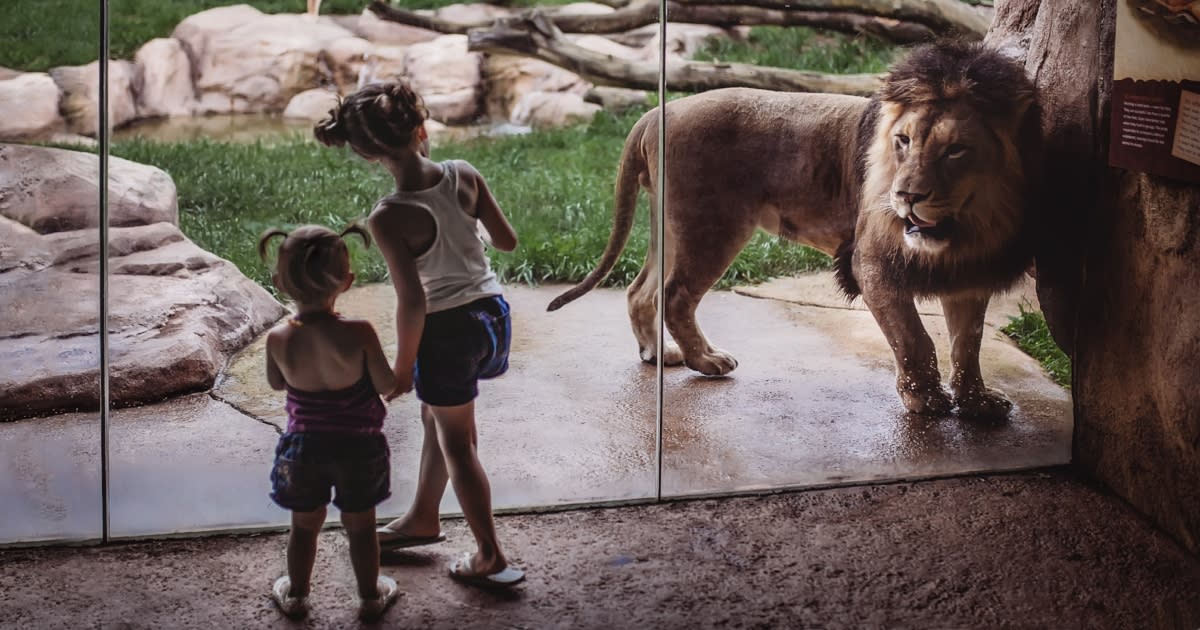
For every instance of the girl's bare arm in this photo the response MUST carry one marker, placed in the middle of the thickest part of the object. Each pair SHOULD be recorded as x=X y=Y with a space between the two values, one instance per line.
x=382 y=376
x=387 y=229
x=487 y=210
x=274 y=374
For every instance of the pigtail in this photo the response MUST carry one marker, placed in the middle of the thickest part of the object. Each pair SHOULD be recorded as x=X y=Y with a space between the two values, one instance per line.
x=356 y=228
x=265 y=239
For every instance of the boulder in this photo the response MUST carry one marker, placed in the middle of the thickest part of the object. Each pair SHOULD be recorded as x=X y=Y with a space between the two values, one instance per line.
x=508 y=78
x=196 y=31
x=542 y=110
x=247 y=61
x=473 y=12
x=357 y=62
x=28 y=106
x=615 y=99
x=166 y=79
x=80 y=87
x=447 y=76
x=311 y=104
x=176 y=314
x=368 y=26
x=22 y=248
x=684 y=40
x=52 y=190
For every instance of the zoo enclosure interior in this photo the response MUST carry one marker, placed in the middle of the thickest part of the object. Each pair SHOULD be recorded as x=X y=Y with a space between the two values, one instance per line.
x=810 y=404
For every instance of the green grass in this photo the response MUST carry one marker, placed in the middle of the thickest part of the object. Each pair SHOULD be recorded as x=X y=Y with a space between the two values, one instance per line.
x=802 y=48
x=1031 y=334
x=556 y=186
x=36 y=35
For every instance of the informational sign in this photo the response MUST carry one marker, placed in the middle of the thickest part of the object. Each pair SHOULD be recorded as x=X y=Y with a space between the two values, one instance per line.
x=1156 y=88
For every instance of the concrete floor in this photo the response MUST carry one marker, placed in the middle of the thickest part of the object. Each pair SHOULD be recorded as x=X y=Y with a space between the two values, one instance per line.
x=1028 y=550
x=811 y=404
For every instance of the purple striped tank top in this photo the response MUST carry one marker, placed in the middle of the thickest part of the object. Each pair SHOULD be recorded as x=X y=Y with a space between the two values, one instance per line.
x=355 y=410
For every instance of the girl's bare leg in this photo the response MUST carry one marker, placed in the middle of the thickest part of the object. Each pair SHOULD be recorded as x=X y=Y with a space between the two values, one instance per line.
x=364 y=550
x=456 y=432
x=424 y=515
x=302 y=549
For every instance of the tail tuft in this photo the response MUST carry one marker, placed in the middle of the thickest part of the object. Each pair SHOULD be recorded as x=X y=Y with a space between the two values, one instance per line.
x=844 y=271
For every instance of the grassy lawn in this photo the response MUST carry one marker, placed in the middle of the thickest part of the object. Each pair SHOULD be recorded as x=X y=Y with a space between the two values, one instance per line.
x=802 y=48
x=556 y=186
x=1031 y=334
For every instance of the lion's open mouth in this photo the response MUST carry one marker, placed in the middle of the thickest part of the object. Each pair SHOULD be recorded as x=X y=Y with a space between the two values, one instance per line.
x=937 y=231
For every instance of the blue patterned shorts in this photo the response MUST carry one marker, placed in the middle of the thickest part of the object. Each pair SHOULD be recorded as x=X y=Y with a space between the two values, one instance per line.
x=459 y=347
x=309 y=465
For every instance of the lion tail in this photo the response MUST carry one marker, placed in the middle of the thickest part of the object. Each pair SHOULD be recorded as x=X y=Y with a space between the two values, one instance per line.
x=631 y=167
x=843 y=271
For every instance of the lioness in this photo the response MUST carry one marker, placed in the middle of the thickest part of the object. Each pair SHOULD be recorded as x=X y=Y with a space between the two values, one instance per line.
x=919 y=191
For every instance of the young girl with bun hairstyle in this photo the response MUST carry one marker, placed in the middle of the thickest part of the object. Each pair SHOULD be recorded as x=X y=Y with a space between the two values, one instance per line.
x=452 y=321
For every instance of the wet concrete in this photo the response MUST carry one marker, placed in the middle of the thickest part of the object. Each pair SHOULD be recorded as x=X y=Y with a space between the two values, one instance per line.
x=1009 y=551
x=812 y=403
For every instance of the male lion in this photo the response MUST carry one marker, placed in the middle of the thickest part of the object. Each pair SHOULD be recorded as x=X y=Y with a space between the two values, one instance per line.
x=919 y=191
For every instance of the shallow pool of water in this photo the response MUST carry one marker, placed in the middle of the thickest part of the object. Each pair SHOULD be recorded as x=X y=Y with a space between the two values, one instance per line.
x=267 y=127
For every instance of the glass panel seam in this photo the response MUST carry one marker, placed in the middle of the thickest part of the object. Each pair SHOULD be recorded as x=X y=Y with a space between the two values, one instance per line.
x=659 y=230
x=102 y=186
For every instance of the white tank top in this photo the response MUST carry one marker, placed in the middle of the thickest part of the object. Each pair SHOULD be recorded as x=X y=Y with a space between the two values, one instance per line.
x=455 y=269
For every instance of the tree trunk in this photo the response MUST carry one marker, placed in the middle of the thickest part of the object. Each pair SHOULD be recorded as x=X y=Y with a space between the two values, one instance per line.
x=535 y=35
x=644 y=12
x=1118 y=272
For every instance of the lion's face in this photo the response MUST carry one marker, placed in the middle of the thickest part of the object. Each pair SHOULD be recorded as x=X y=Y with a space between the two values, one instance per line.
x=947 y=168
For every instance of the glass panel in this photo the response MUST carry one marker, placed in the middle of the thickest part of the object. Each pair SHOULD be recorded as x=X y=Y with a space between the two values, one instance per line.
x=49 y=285
x=222 y=135
x=752 y=177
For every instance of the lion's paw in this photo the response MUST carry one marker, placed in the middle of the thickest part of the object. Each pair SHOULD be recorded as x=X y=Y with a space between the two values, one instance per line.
x=985 y=403
x=928 y=401
x=715 y=363
x=673 y=355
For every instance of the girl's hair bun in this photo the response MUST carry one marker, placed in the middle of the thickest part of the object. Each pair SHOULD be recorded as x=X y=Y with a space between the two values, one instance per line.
x=331 y=130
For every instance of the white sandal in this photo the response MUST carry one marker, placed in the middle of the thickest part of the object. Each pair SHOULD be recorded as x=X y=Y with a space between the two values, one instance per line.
x=372 y=609
x=291 y=607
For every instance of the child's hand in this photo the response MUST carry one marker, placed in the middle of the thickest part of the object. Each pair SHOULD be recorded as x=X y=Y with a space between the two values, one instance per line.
x=404 y=384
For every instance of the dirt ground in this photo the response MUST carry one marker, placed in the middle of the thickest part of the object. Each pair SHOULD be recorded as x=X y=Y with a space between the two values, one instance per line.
x=1028 y=550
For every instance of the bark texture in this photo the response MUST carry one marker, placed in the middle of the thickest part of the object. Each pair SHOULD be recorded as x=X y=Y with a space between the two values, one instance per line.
x=645 y=12
x=1118 y=272
x=535 y=35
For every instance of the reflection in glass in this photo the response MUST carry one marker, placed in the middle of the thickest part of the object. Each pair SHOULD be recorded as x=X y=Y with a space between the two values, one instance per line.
x=219 y=147
x=49 y=286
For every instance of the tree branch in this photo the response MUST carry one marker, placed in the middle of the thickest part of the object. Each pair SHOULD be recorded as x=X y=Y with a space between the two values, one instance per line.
x=535 y=35
x=644 y=12
x=940 y=15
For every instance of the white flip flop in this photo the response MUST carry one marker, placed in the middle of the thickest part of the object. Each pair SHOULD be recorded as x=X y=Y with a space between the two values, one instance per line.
x=504 y=578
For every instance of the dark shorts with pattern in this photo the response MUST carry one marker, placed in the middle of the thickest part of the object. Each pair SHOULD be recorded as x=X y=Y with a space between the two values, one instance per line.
x=308 y=466
x=460 y=346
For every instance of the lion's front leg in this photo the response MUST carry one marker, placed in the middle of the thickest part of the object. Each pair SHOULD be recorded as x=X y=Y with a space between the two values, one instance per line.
x=917 y=379
x=964 y=319
x=680 y=316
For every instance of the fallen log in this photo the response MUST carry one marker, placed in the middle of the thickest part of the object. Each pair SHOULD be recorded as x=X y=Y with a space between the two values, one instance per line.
x=535 y=35
x=645 y=12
